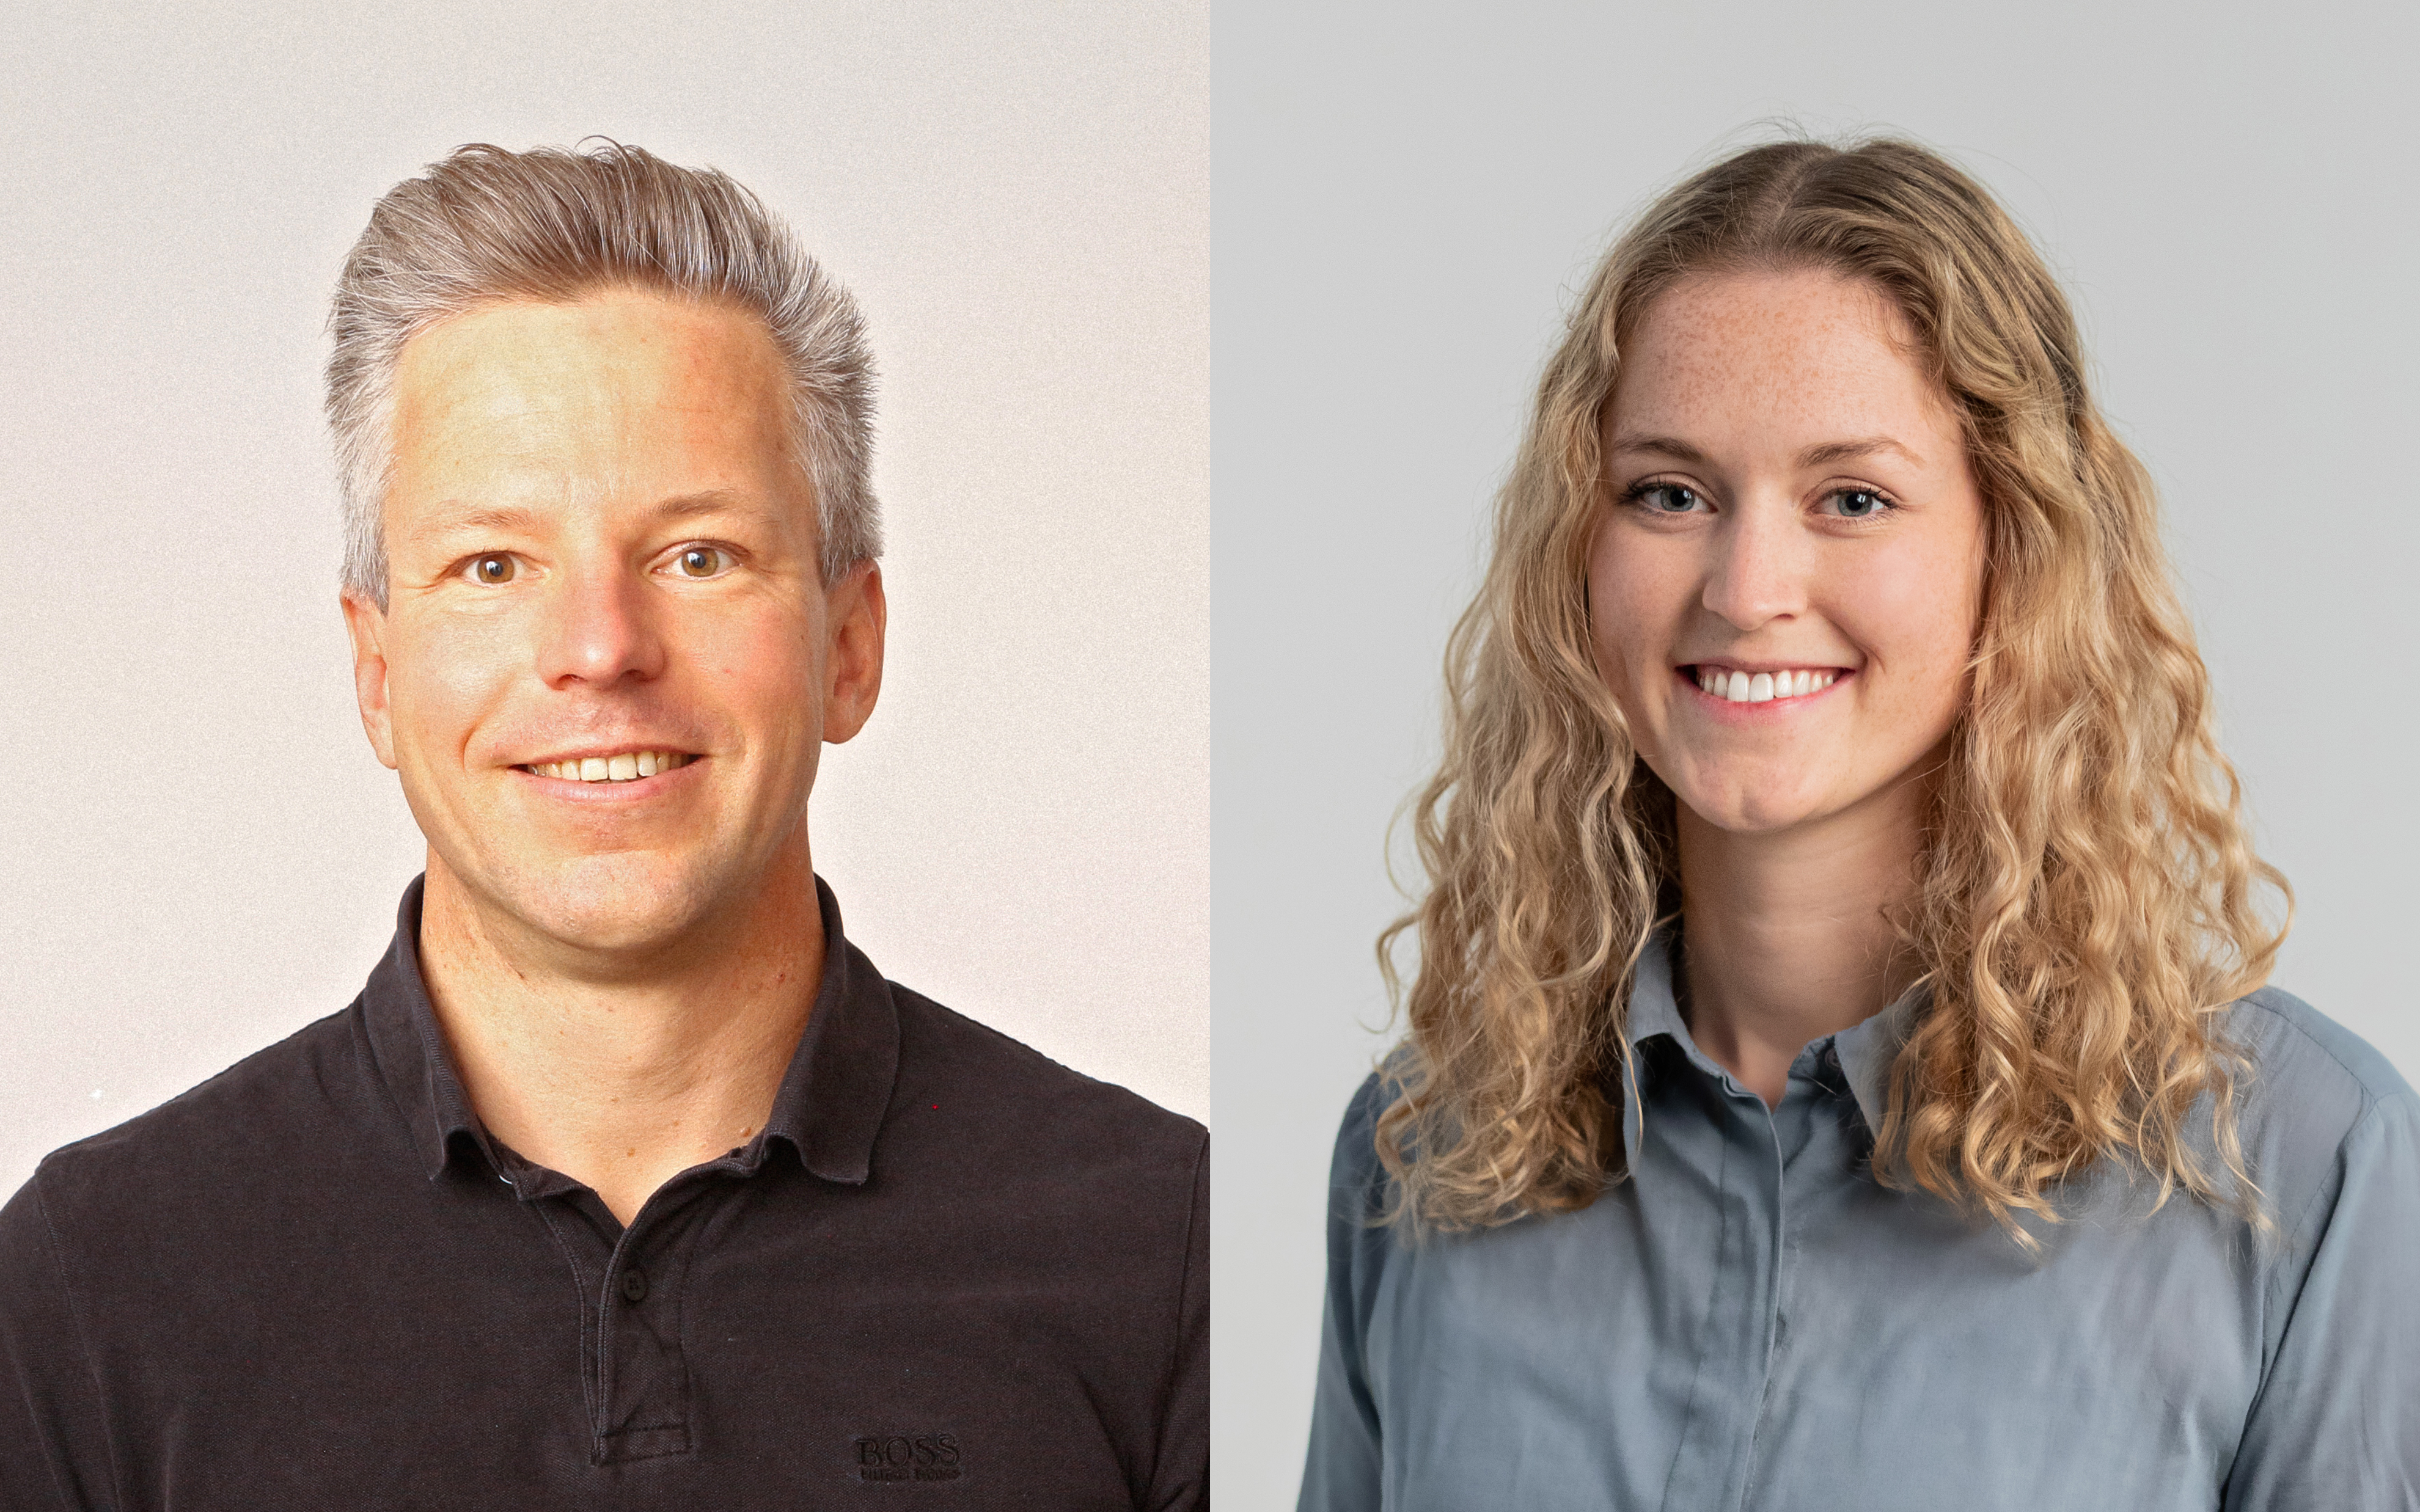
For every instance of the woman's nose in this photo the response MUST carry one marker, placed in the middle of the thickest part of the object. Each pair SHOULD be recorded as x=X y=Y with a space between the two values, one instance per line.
x=1758 y=571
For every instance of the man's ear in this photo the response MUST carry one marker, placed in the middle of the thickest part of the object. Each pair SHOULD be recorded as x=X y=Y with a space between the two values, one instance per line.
x=853 y=669
x=366 y=623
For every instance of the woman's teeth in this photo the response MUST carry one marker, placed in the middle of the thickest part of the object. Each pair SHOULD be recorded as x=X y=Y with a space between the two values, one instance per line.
x=1762 y=687
x=622 y=768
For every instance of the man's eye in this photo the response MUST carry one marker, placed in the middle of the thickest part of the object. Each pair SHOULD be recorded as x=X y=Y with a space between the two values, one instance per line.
x=702 y=561
x=496 y=568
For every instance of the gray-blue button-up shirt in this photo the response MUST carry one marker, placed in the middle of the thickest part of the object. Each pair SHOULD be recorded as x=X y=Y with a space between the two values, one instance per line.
x=1750 y=1320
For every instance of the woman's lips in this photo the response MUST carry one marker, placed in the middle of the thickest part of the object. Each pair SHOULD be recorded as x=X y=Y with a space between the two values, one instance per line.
x=1780 y=685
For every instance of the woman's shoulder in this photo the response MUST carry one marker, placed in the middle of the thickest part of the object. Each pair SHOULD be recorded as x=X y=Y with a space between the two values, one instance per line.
x=2311 y=1062
x=2315 y=1097
x=1356 y=1163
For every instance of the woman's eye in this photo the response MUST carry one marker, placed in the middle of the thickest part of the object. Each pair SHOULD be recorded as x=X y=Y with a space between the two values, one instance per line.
x=497 y=568
x=1669 y=498
x=1858 y=503
x=702 y=561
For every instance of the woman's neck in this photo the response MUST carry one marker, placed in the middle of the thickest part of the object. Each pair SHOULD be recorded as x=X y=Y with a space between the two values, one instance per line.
x=1787 y=937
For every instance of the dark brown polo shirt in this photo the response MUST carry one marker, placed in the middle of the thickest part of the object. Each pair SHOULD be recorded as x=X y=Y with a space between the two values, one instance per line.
x=949 y=1273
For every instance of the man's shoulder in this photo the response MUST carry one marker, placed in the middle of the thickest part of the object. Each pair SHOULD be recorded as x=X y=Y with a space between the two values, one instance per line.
x=1023 y=1095
x=270 y=1105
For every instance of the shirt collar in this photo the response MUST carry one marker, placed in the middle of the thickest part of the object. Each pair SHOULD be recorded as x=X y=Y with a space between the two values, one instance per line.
x=828 y=1109
x=1865 y=1050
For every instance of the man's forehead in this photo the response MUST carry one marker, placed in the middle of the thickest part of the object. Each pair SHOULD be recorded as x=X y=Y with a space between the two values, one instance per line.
x=629 y=399
x=622 y=319
x=472 y=516
x=522 y=367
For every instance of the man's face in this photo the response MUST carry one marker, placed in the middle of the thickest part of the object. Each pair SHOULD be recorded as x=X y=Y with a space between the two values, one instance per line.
x=602 y=551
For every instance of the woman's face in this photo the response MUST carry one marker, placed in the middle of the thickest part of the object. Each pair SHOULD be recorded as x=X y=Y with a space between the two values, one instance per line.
x=1784 y=589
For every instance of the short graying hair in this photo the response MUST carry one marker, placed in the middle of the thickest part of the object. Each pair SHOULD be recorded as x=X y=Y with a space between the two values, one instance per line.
x=488 y=225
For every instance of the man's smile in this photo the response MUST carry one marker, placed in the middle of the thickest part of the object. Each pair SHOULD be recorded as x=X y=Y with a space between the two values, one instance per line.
x=609 y=767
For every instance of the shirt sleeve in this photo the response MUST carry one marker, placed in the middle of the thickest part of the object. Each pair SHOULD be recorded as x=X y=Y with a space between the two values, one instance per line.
x=2336 y=1422
x=1341 y=1474
x=53 y=1451
x=1181 y=1474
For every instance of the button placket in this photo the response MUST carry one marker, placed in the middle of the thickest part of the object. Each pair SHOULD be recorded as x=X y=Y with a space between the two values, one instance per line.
x=643 y=1375
x=1712 y=1464
x=1791 y=1127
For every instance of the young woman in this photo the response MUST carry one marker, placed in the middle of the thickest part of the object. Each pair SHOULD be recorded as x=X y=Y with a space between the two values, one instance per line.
x=1840 y=1073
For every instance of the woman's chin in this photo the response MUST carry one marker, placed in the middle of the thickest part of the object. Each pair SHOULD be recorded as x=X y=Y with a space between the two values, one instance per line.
x=1752 y=803
x=1750 y=819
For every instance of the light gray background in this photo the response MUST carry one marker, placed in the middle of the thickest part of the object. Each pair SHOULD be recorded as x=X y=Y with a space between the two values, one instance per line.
x=1408 y=197
x=201 y=854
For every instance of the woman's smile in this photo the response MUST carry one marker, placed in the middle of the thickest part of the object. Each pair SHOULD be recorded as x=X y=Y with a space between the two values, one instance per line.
x=1726 y=684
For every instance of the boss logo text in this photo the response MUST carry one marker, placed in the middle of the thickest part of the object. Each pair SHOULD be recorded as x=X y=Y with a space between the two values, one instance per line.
x=908 y=1456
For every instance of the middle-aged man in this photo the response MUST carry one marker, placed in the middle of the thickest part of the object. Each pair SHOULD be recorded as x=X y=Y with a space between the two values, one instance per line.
x=626 y=1182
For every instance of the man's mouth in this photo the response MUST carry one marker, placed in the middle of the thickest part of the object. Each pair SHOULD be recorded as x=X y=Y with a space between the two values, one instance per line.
x=1738 y=685
x=622 y=767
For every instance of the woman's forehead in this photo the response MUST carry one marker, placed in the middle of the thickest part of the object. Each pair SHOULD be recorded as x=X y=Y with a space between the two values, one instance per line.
x=1802 y=359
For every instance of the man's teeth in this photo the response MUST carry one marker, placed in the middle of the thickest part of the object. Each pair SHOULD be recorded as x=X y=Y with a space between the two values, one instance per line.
x=1762 y=687
x=622 y=768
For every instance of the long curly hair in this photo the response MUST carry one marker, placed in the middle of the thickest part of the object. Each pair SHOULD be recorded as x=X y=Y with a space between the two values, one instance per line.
x=2088 y=902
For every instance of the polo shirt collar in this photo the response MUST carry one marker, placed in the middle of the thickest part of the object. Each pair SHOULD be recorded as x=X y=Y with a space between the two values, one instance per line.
x=1865 y=1049
x=839 y=1083
x=828 y=1109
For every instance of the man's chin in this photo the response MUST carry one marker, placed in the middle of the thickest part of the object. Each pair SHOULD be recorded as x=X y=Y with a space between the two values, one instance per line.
x=615 y=907
x=634 y=932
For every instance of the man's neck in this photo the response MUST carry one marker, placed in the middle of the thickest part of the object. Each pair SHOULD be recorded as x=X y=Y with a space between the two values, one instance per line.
x=623 y=1076
x=1788 y=937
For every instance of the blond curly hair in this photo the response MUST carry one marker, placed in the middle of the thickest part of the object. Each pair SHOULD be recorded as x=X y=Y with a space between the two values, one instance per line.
x=2089 y=901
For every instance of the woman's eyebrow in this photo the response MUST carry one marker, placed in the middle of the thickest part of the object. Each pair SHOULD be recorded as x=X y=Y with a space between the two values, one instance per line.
x=1830 y=451
x=1680 y=451
x=1822 y=455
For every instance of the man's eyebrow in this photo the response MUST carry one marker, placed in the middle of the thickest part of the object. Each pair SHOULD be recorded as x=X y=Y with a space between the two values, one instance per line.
x=513 y=517
x=447 y=520
x=711 y=501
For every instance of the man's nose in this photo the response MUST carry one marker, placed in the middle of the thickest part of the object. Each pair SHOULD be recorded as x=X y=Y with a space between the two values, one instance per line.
x=600 y=628
x=1760 y=566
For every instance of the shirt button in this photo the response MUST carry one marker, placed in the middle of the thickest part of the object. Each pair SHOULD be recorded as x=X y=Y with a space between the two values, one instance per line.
x=634 y=1284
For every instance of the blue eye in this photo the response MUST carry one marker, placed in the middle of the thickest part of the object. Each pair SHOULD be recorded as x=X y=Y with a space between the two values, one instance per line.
x=1665 y=498
x=1860 y=503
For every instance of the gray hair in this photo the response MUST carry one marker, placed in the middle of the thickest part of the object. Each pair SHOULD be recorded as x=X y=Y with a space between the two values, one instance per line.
x=551 y=226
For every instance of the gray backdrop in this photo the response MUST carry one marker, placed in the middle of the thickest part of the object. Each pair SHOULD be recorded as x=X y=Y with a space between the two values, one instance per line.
x=1408 y=197
x=198 y=852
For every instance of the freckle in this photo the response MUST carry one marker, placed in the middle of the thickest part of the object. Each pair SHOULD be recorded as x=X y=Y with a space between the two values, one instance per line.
x=632 y=1152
